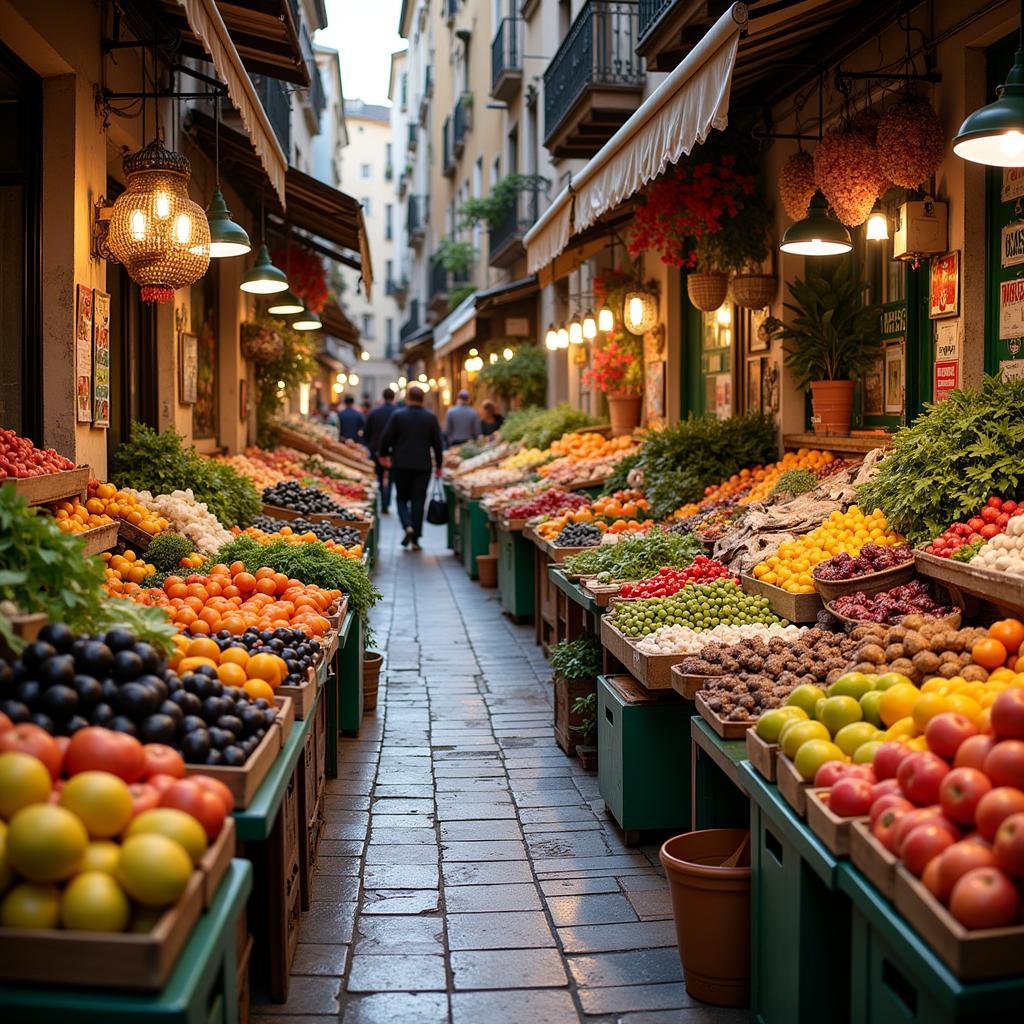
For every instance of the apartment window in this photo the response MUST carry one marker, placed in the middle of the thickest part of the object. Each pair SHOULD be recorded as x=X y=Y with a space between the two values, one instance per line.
x=365 y=171
x=564 y=18
x=368 y=326
x=389 y=270
x=388 y=232
x=513 y=150
x=365 y=203
x=404 y=89
x=496 y=171
x=389 y=334
x=387 y=153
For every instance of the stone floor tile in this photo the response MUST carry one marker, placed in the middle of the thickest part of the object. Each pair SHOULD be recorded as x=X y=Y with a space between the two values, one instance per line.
x=492 y=873
x=578 y=886
x=406 y=973
x=601 y=938
x=327 y=922
x=407 y=854
x=400 y=935
x=634 y=997
x=476 y=831
x=507 y=968
x=399 y=901
x=519 y=930
x=337 y=888
x=652 y=904
x=307 y=996
x=612 y=908
x=478 y=852
x=397 y=1008
x=395 y=805
x=539 y=1006
x=634 y=967
x=422 y=834
x=491 y=898
x=401 y=876
x=320 y=958
x=338 y=865
x=342 y=848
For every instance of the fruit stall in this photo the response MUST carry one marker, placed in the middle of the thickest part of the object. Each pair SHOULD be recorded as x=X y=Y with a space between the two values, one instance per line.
x=180 y=647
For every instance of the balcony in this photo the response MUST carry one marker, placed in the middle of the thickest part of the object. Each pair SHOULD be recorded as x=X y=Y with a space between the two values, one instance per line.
x=398 y=290
x=413 y=140
x=668 y=29
x=416 y=219
x=440 y=284
x=507 y=59
x=277 y=105
x=412 y=325
x=447 y=149
x=403 y=185
x=594 y=81
x=505 y=239
x=462 y=119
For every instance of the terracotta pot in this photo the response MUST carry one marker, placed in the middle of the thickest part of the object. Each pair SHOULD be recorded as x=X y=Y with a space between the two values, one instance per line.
x=711 y=907
x=754 y=291
x=372 y=661
x=832 y=406
x=624 y=413
x=707 y=290
x=487 y=570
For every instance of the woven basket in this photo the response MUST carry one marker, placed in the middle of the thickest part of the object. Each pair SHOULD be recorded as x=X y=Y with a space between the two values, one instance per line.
x=707 y=291
x=754 y=291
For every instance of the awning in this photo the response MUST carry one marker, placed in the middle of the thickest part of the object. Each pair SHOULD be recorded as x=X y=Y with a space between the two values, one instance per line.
x=323 y=217
x=337 y=325
x=328 y=362
x=458 y=328
x=208 y=28
x=678 y=115
x=504 y=294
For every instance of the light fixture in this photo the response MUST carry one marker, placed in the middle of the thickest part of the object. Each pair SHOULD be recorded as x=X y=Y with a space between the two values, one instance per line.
x=507 y=354
x=281 y=384
x=307 y=321
x=723 y=315
x=432 y=382
x=336 y=388
x=422 y=377
x=474 y=352
x=551 y=339
x=425 y=385
x=264 y=278
x=589 y=325
x=353 y=379
x=575 y=333
x=818 y=234
x=605 y=320
x=562 y=337
x=443 y=381
x=226 y=237
x=394 y=385
x=286 y=304
x=639 y=311
x=364 y=355
x=878 y=224
x=492 y=358
x=340 y=377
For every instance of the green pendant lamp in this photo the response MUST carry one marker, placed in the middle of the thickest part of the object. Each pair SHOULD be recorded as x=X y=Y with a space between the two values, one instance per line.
x=263 y=277
x=817 y=234
x=226 y=237
x=286 y=304
x=307 y=321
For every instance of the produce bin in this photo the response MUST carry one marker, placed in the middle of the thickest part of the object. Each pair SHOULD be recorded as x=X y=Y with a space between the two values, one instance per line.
x=476 y=534
x=643 y=757
x=515 y=573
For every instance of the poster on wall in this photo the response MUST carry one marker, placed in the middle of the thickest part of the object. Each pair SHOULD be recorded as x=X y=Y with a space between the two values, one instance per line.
x=1012 y=369
x=1011 y=309
x=754 y=374
x=83 y=355
x=1013 y=184
x=874 y=388
x=723 y=396
x=188 y=364
x=760 y=340
x=1011 y=244
x=894 y=379
x=947 y=378
x=654 y=392
x=944 y=286
x=100 y=359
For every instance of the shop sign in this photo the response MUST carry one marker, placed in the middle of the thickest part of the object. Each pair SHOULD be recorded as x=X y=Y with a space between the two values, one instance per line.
x=1013 y=183
x=893 y=321
x=1011 y=308
x=947 y=340
x=947 y=378
x=517 y=326
x=1012 y=246
x=1012 y=369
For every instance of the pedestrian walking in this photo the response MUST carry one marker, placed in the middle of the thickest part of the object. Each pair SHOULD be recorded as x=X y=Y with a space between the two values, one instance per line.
x=462 y=422
x=491 y=420
x=351 y=422
x=376 y=423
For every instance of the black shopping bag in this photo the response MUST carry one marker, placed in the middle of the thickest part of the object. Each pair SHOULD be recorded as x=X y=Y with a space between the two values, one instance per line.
x=437 y=510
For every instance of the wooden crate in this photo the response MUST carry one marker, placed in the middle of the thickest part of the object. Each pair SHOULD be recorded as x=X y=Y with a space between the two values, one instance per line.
x=873 y=860
x=791 y=784
x=276 y=512
x=566 y=693
x=832 y=829
x=302 y=697
x=686 y=684
x=972 y=955
x=100 y=538
x=129 y=535
x=25 y=627
x=968 y=583
x=41 y=490
x=653 y=671
x=559 y=555
x=762 y=755
x=247 y=779
x=724 y=728
x=111 y=960
x=215 y=862
x=795 y=607
x=285 y=715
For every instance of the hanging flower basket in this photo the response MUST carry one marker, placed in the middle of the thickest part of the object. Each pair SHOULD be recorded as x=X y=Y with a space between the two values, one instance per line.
x=754 y=291
x=707 y=289
x=261 y=343
x=847 y=171
x=910 y=143
x=796 y=184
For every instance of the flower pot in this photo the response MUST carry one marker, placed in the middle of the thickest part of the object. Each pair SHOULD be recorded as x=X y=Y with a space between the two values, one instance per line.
x=832 y=406
x=587 y=756
x=624 y=413
x=487 y=570
x=754 y=291
x=707 y=290
x=711 y=907
x=372 y=661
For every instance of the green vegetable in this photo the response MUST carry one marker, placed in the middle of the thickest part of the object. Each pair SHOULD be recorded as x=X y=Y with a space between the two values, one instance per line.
x=968 y=551
x=619 y=478
x=793 y=483
x=538 y=428
x=951 y=460
x=577 y=659
x=636 y=558
x=166 y=551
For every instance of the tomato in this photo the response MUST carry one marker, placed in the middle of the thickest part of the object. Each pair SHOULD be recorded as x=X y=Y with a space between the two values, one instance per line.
x=145 y=797
x=30 y=739
x=995 y=806
x=218 y=789
x=984 y=898
x=922 y=845
x=5 y=722
x=161 y=783
x=161 y=759
x=956 y=860
x=206 y=808
x=95 y=748
x=972 y=752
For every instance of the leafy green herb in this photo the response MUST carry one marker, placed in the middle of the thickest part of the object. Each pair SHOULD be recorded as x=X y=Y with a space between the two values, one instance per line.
x=635 y=558
x=537 y=427
x=587 y=707
x=524 y=375
x=577 y=659
x=793 y=483
x=166 y=551
x=619 y=478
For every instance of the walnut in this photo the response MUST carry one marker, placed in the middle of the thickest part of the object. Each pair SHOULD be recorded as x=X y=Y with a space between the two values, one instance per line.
x=948 y=670
x=949 y=658
x=904 y=666
x=894 y=652
x=872 y=653
x=897 y=634
x=974 y=674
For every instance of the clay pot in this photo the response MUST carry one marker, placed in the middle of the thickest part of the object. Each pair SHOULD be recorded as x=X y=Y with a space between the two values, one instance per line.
x=487 y=570
x=707 y=290
x=624 y=413
x=372 y=661
x=832 y=406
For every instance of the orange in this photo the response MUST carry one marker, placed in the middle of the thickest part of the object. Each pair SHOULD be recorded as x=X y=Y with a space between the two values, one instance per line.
x=266 y=585
x=236 y=567
x=245 y=581
x=192 y=663
x=199 y=626
x=989 y=653
x=203 y=648
x=265 y=573
x=234 y=655
x=176 y=589
x=257 y=688
x=231 y=674
x=1009 y=632
x=268 y=667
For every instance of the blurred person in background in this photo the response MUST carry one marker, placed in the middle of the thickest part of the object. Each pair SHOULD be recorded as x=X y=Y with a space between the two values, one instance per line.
x=491 y=420
x=351 y=422
x=376 y=423
x=462 y=422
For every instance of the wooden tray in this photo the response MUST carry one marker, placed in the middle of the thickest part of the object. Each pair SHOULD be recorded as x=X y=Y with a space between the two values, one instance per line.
x=132 y=537
x=791 y=784
x=215 y=862
x=650 y=670
x=100 y=538
x=302 y=697
x=727 y=730
x=873 y=860
x=514 y=525
x=832 y=829
x=967 y=581
x=247 y=779
x=795 y=607
x=276 y=512
x=688 y=685
x=870 y=583
x=762 y=755
x=561 y=554
x=285 y=714
x=40 y=490
x=971 y=955
x=601 y=593
x=112 y=960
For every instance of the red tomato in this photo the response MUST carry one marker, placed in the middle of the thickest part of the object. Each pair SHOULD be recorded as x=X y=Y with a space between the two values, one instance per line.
x=206 y=808
x=984 y=898
x=161 y=759
x=995 y=806
x=144 y=797
x=96 y=749
x=972 y=752
x=5 y=722
x=218 y=789
x=30 y=739
x=1009 y=845
x=957 y=860
x=161 y=783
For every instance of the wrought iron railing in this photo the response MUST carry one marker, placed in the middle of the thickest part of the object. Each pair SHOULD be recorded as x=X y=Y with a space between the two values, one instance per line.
x=519 y=216
x=460 y=121
x=650 y=14
x=599 y=50
x=447 y=148
x=415 y=215
x=506 y=52
x=437 y=280
x=277 y=105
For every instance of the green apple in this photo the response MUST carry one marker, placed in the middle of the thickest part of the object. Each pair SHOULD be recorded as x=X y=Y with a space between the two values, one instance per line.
x=865 y=753
x=883 y=682
x=852 y=684
x=770 y=724
x=869 y=707
x=813 y=754
x=840 y=711
x=819 y=707
x=795 y=735
x=805 y=696
x=852 y=737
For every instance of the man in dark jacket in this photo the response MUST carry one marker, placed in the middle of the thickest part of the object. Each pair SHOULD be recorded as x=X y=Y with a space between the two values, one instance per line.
x=375 y=424
x=351 y=422
x=411 y=436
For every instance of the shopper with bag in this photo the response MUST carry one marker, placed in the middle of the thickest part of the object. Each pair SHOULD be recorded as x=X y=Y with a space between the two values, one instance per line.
x=411 y=437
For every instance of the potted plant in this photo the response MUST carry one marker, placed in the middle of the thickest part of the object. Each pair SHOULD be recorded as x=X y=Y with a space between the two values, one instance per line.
x=616 y=370
x=831 y=338
x=575 y=665
x=586 y=709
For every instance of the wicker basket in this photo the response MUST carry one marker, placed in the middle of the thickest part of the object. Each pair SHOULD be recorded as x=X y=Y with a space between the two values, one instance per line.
x=754 y=291
x=707 y=291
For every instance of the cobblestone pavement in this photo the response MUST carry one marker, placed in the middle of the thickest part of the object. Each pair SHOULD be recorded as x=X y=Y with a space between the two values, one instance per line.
x=469 y=873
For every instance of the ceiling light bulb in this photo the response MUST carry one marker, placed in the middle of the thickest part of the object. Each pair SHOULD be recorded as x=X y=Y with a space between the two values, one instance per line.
x=353 y=379
x=589 y=325
x=605 y=320
x=878 y=225
x=163 y=205
x=364 y=355
x=138 y=225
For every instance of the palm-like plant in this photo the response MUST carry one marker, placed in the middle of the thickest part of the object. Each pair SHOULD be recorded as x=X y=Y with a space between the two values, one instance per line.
x=832 y=334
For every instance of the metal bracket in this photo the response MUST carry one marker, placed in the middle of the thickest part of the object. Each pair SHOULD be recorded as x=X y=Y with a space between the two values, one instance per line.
x=98 y=248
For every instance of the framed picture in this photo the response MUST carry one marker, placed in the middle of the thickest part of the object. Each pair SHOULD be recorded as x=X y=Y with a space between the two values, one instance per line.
x=894 y=379
x=759 y=340
x=755 y=369
x=874 y=388
x=944 y=286
x=654 y=391
x=188 y=368
x=83 y=354
x=100 y=359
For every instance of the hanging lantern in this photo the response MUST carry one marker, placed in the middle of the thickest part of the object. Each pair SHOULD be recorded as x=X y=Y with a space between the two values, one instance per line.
x=160 y=235
x=640 y=311
x=605 y=319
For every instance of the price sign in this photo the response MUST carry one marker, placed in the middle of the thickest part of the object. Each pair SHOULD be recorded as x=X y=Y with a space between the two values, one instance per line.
x=947 y=378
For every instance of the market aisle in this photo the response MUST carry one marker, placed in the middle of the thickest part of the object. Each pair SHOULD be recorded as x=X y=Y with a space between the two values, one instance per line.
x=468 y=872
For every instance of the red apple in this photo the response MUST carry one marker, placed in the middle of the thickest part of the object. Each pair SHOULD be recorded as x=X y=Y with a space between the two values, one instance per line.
x=920 y=775
x=1009 y=845
x=888 y=801
x=923 y=816
x=1004 y=764
x=1008 y=714
x=850 y=797
x=831 y=772
x=885 y=786
x=884 y=826
x=922 y=845
x=960 y=792
x=930 y=877
x=984 y=898
x=972 y=752
x=995 y=807
x=946 y=731
x=956 y=860
x=888 y=757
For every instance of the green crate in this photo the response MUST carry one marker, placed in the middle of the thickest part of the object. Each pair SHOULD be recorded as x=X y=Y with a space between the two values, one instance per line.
x=449 y=497
x=643 y=755
x=515 y=573
x=476 y=535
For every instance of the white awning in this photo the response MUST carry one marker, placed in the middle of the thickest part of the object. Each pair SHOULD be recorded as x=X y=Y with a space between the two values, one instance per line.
x=679 y=114
x=208 y=27
x=449 y=334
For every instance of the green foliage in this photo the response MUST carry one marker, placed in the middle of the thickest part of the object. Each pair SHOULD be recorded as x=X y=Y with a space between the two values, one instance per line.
x=587 y=707
x=538 y=428
x=160 y=463
x=577 y=659
x=832 y=334
x=681 y=460
x=459 y=293
x=295 y=365
x=636 y=558
x=793 y=483
x=956 y=455
x=46 y=570
x=166 y=551
x=492 y=209
x=619 y=479
x=469 y=450
x=455 y=256
x=524 y=376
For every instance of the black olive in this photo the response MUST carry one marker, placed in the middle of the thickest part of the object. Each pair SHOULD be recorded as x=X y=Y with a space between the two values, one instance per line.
x=235 y=693
x=127 y=665
x=152 y=659
x=44 y=721
x=192 y=723
x=214 y=756
x=269 y=716
x=223 y=634
x=195 y=746
x=262 y=703
x=60 y=701
x=172 y=711
x=95 y=659
x=109 y=690
x=120 y=639
x=220 y=738
x=232 y=723
x=58 y=635
x=172 y=682
x=201 y=686
x=89 y=690
x=205 y=670
x=157 y=729
x=213 y=708
x=29 y=692
x=102 y=714
x=189 y=703
x=36 y=653
x=15 y=710
x=73 y=724
x=154 y=683
x=121 y=723
x=234 y=756
x=136 y=701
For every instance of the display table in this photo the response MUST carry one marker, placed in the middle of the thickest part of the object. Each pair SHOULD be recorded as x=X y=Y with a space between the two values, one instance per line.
x=543 y=594
x=202 y=988
x=716 y=799
x=515 y=573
